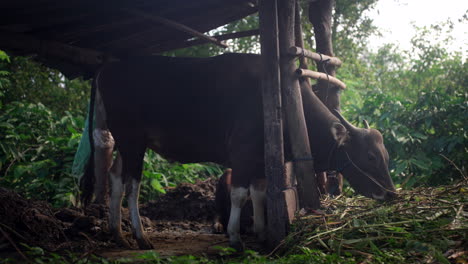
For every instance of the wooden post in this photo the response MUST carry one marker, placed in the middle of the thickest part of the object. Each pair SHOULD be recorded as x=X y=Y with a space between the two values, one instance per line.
x=277 y=216
x=295 y=125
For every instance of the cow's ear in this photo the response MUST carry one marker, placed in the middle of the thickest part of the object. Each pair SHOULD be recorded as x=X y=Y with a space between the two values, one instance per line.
x=340 y=134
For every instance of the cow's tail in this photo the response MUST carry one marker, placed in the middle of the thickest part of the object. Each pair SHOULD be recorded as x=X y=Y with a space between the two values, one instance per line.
x=88 y=179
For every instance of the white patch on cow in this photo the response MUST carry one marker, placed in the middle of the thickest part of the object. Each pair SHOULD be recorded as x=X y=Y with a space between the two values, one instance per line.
x=238 y=197
x=103 y=138
x=117 y=186
x=134 y=190
x=258 y=202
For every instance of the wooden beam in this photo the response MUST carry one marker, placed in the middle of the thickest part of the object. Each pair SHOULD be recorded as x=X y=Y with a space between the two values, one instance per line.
x=295 y=125
x=155 y=39
x=234 y=35
x=51 y=49
x=177 y=26
x=298 y=51
x=199 y=41
x=277 y=215
x=320 y=76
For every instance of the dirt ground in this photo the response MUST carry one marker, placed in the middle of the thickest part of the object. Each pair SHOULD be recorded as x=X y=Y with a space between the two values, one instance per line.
x=179 y=223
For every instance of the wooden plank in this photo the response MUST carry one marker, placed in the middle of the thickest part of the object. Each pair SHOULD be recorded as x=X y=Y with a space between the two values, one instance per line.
x=156 y=36
x=71 y=61
x=295 y=125
x=223 y=16
x=278 y=221
x=52 y=49
x=321 y=76
x=177 y=26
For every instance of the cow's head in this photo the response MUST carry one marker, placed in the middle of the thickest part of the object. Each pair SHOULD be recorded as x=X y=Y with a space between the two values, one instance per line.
x=363 y=159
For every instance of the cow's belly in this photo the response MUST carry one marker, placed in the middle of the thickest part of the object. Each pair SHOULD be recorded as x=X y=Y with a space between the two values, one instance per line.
x=187 y=147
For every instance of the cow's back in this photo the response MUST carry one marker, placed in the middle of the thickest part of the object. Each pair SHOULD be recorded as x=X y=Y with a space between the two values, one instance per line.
x=187 y=107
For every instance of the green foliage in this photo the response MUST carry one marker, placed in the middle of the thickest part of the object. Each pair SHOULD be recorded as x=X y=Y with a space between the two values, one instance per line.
x=4 y=81
x=420 y=134
x=39 y=130
x=160 y=174
x=351 y=27
x=419 y=101
x=31 y=82
x=36 y=152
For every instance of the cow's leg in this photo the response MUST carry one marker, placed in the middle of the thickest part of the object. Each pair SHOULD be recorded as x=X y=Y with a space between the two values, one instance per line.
x=239 y=196
x=322 y=182
x=115 y=217
x=103 y=148
x=257 y=193
x=222 y=202
x=334 y=183
x=133 y=152
x=133 y=189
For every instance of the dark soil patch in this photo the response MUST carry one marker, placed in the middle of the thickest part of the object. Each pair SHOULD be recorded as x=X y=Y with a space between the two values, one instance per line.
x=187 y=202
x=179 y=223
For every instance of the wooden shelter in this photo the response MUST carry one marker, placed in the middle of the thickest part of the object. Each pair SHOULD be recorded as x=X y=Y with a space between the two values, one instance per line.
x=77 y=36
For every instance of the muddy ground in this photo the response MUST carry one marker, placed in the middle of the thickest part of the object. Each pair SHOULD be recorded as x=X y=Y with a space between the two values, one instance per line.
x=179 y=223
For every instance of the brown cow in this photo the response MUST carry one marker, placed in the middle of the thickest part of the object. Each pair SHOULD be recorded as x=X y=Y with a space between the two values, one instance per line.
x=210 y=109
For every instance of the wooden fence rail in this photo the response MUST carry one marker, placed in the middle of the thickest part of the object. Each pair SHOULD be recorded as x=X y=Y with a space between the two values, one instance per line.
x=298 y=51
x=320 y=76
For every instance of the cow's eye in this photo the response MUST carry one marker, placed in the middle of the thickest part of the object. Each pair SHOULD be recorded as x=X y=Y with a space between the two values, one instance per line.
x=371 y=156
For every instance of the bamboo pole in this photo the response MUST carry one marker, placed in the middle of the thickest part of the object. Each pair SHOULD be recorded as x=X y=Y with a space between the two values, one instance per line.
x=320 y=76
x=297 y=51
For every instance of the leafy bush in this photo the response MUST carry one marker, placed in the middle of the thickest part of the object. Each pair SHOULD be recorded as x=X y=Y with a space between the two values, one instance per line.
x=22 y=79
x=159 y=174
x=419 y=101
x=36 y=152
x=423 y=136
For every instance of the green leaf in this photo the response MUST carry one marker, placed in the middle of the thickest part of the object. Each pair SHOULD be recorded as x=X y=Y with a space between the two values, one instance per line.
x=157 y=186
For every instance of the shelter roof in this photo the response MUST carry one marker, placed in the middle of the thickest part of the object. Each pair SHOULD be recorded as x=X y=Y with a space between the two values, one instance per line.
x=76 y=35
